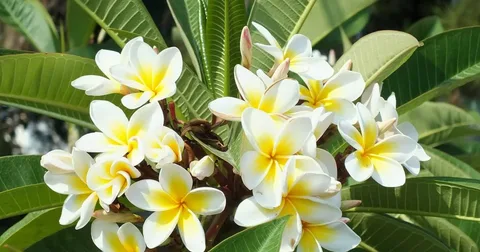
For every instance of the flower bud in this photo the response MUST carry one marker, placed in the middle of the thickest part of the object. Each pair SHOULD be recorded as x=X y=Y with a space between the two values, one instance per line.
x=57 y=161
x=117 y=217
x=347 y=204
x=347 y=66
x=386 y=125
x=246 y=47
x=282 y=71
x=332 y=59
x=202 y=168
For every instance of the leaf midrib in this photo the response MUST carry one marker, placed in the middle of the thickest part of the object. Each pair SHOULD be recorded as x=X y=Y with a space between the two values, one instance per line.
x=402 y=211
x=443 y=128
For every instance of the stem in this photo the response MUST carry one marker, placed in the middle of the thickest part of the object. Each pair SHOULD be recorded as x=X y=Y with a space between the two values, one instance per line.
x=216 y=225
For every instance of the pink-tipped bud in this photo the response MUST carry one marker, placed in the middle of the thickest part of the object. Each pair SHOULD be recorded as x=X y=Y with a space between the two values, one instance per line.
x=246 y=47
x=385 y=126
x=347 y=66
x=155 y=49
x=344 y=220
x=332 y=59
x=117 y=217
x=282 y=71
x=348 y=204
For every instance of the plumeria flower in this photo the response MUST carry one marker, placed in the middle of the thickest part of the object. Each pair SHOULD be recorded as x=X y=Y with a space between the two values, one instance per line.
x=274 y=99
x=299 y=200
x=174 y=203
x=152 y=76
x=111 y=177
x=377 y=159
x=108 y=237
x=263 y=169
x=163 y=145
x=389 y=113
x=331 y=58
x=334 y=236
x=336 y=95
x=96 y=85
x=299 y=51
x=119 y=136
x=202 y=168
x=67 y=174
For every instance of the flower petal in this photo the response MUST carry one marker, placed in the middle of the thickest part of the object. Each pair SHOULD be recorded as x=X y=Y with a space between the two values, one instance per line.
x=346 y=85
x=388 y=172
x=308 y=243
x=311 y=68
x=167 y=66
x=280 y=97
x=368 y=126
x=315 y=210
x=110 y=120
x=343 y=110
x=57 y=161
x=136 y=100
x=128 y=77
x=293 y=136
x=298 y=45
x=408 y=130
x=396 y=147
x=71 y=208
x=293 y=228
x=228 y=108
x=260 y=130
x=105 y=59
x=310 y=184
x=68 y=183
x=372 y=99
x=336 y=236
x=191 y=231
x=266 y=34
x=327 y=162
x=148 y=195
x=269 y=192
x=175 y=142
x=176 y=181
x=351 y=135
x=205 y=201
x=250 y=86
x=98 y=142
x=388 y=112
x=253 y=168
x=137 y=152
x=81 y=163
x=144 y=120
x=413 y=165
x=104 y=235
x=249 y=213
x=122 y=164
x=360 y=168
x=95 y=85
x=164 y=91
x=321 y=120
x=159 y=226
x=86 y=211
x=131 y=238
x=125 y=54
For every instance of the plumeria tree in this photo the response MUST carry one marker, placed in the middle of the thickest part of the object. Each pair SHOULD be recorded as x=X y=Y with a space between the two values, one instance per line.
x=260 y=143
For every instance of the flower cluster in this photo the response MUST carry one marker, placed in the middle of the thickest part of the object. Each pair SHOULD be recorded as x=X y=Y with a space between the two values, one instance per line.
x=142 y=160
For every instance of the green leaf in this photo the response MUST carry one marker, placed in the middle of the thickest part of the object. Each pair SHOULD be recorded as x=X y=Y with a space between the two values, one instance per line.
x=79 y=25
x=225 y=20
x=441 y=122
x=470 y=228
x=192 y=96
x=262 y=238
x=327 y=16
x=443 y=165
x=127 y=15
x=4 y=51
x=445 y=62
x=35 y=226
x=31 y=19
x=385 y=233
x=426 y=27
x=69 y=239
x=41 y=83
x=379 y=54
x=190 y=17
x=21 y=187
x=451 y=235
x=283 y=18
x=427 y=196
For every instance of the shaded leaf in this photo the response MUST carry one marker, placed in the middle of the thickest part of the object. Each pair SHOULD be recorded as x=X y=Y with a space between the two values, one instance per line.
x=426 y=27
x=443 y=165
x=79 y=25
x=69 y=239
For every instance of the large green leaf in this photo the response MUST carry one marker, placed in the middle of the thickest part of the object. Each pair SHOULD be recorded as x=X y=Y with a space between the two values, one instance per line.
x=262 y=238
x=470 y=228
x=127 y=15
x=326 y=16
x=384 y=233
x=379 y=54
x=427 y=196
x=451 y=235
x=445 y=62
x=443 y=165
x=283 y=18
x=69 y=239
x=41 y=83
x=467 y=150
x=225 y=19
x=426 y=27
x=79 y=25
x=35 y=226
x=21 y=187
x=31 y=19
x=441 y=122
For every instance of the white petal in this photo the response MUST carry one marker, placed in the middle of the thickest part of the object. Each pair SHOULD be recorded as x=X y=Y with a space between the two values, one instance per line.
x=202 y=168
x=359 y=167
x=280 y=97
x=351 y=135
x=176 y=181
x=293 y=136
x=71 y=208
x=413 y=165
x=191 y=231
x=408 y=130
x=269 y=192
x=253 y=168
x=249 y=213
x=67 y=183
x=98 y=142
x=396 y=147
x=57 y=161
x=148 y=195
x=127 y=76
x=388 y=112
x=336 y=236
x=311 y=68
x=228 y=108
x=168 y=64
x=136 y=100
x=367 y=93
x=346 y=85
x=392 y=100
x=104 y=236
x=265 y=78
x=105 y=59
x=388 y=172
x=147 y=118
x=315 y=210
x=343 y=110
x=205 y=201
x=293 y=228
x=368 y=126
x=421 y=154
x=250 y=86
x=142 y=58
x=109 y=119
x=321 y=120
x=310 y=146
x=131 y=238
x=81 y=163
x=298 y=45
x=266 y=34
x=86 y=210
x=308 y=243
x=260 y=130
x=159 y=226
x=125 y=54
x=164 y=90
x=372 y=99
x=95 y=85
x=327 y=162
x=276 y=52
x=310 y=184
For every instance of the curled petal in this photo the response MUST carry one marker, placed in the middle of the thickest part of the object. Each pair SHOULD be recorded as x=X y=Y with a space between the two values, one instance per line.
x=249 y=213
x=228 y=108
x=57 y=161
x=136 y=100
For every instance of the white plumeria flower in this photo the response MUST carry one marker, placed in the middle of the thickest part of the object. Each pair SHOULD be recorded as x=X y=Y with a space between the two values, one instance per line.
x=153 y=76
x=263 y=169
x=389 y=112
x=299 y=200
x=334 y=236
x=119 y=136
x=202 y=168
x=174 y=203
x=299 y=50
x=67 y=174
x=111 y=177
x=275 y=98
x=95 y=85
x=336 y=95
x=372 y=100
x=377 y=159
x=108 y=237
x=163 y=145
